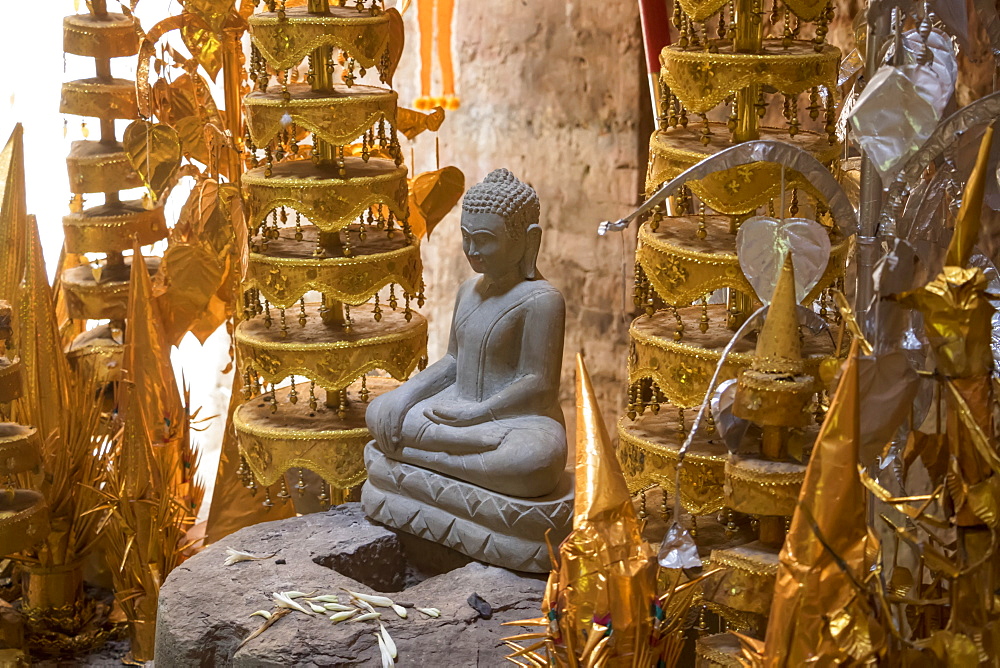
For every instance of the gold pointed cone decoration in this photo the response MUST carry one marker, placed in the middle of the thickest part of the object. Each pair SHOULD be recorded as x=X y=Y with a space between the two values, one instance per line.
x=970 y=213
x=606 y=575
x=152 y=388
x=13 y=214
x=818 y=615
x=40 y=349
x=778 y=345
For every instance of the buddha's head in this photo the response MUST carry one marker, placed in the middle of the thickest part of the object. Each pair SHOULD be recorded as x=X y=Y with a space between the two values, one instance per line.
x=500 y=230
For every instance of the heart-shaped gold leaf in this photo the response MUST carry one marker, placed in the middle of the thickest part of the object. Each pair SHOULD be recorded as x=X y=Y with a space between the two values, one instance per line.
x=432 y=196
x=203 y=43
x=397 y=40
x=154 y=149
x=189 y=277
x=212 y=12
x=411 y=123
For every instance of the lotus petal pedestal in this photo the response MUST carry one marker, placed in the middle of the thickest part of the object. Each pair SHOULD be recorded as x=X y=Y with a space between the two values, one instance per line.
x=497 y=529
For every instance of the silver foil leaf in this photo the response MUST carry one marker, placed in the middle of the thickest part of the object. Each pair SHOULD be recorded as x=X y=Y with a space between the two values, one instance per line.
x=762 y=244
x=678 y=549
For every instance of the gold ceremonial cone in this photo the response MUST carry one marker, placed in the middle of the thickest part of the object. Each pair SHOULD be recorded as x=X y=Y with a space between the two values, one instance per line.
x=606 y=573
x=779 y=338
x=970 y=213
x=152 y=393
x=13 y=214
x=817 y=613
x=40 y=349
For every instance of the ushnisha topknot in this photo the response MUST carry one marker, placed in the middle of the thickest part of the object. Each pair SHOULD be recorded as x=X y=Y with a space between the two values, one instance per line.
x=504 y=194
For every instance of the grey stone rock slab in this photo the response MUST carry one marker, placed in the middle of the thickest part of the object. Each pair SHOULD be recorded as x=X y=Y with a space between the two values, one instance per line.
x=205 y=606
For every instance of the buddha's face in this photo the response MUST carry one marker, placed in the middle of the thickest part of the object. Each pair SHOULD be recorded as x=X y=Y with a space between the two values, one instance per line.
x=488 y=246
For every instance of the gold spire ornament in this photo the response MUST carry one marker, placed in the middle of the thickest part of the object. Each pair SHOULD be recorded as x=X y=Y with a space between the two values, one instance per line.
x=601 y=605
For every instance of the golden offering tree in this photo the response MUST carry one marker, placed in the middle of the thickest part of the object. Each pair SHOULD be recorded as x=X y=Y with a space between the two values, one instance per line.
x=334 y=269
x=99 y=291
x=736 y=73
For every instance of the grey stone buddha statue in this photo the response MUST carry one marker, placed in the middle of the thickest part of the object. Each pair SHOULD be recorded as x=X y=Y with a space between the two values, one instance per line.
x=471 y=452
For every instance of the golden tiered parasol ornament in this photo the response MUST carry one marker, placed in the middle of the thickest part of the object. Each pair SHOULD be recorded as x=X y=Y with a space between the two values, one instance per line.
x=334 y=269
x=99 y=291
x=735 y=58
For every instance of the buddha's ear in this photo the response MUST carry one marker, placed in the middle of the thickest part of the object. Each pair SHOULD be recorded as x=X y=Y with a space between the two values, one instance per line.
x=533 y=239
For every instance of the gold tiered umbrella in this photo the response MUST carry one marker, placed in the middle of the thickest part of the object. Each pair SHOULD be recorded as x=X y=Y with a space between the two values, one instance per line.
x=334 y=268
x=103 y=166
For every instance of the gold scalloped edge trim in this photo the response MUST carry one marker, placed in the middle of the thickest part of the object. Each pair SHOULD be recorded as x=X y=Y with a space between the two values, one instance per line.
x=397 y=373
x=300 y=53
x=673 y=59
x=412 y=329
x=343 y=137
x=354 y=299
x=748 y=565
x=757 y=478
x=700 y=466
x=86 y=37
x=717 y=657
x=20 y=452
x=327 y=224
x=26 y=527
x=714 y=259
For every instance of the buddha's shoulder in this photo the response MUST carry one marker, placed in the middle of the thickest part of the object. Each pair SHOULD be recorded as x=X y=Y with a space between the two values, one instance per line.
x=538 y=291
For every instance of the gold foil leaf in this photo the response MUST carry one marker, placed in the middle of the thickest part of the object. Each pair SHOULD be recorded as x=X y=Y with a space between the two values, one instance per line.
x=983 y=500
x=154 y=150
x=411 y=123
x=189 y=277
x=397 y=39
x=203 y=43
x=432 y=196
x=212 y=12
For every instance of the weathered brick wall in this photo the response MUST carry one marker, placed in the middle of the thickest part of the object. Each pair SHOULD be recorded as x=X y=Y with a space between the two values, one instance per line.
x=553 y=90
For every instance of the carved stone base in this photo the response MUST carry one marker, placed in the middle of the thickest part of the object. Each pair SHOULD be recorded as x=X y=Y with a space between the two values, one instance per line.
x=493 y=528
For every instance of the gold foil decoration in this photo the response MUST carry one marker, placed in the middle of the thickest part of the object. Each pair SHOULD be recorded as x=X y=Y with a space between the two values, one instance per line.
x=95 y=167
x=818 y=612
x=700 y=10
x=204 y=43
x=411 y=123
x=736 y=190
x=703 y=79
x=606 y=573
x=154 y=151
x=648 y=450
x=432 y=196
x=99 y=98
x=240 y=508
x=330 y=204
x=353 y=280
x=285 y=43
x=13 y=212
x=111 y=227
x=334 y=363
x=338 y=117
x=111 y=36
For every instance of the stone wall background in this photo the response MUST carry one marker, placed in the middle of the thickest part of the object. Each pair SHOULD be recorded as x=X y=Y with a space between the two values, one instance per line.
x=555 y=91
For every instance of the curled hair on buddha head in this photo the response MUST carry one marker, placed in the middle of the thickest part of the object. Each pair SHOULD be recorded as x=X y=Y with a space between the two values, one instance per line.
x=505 y=195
